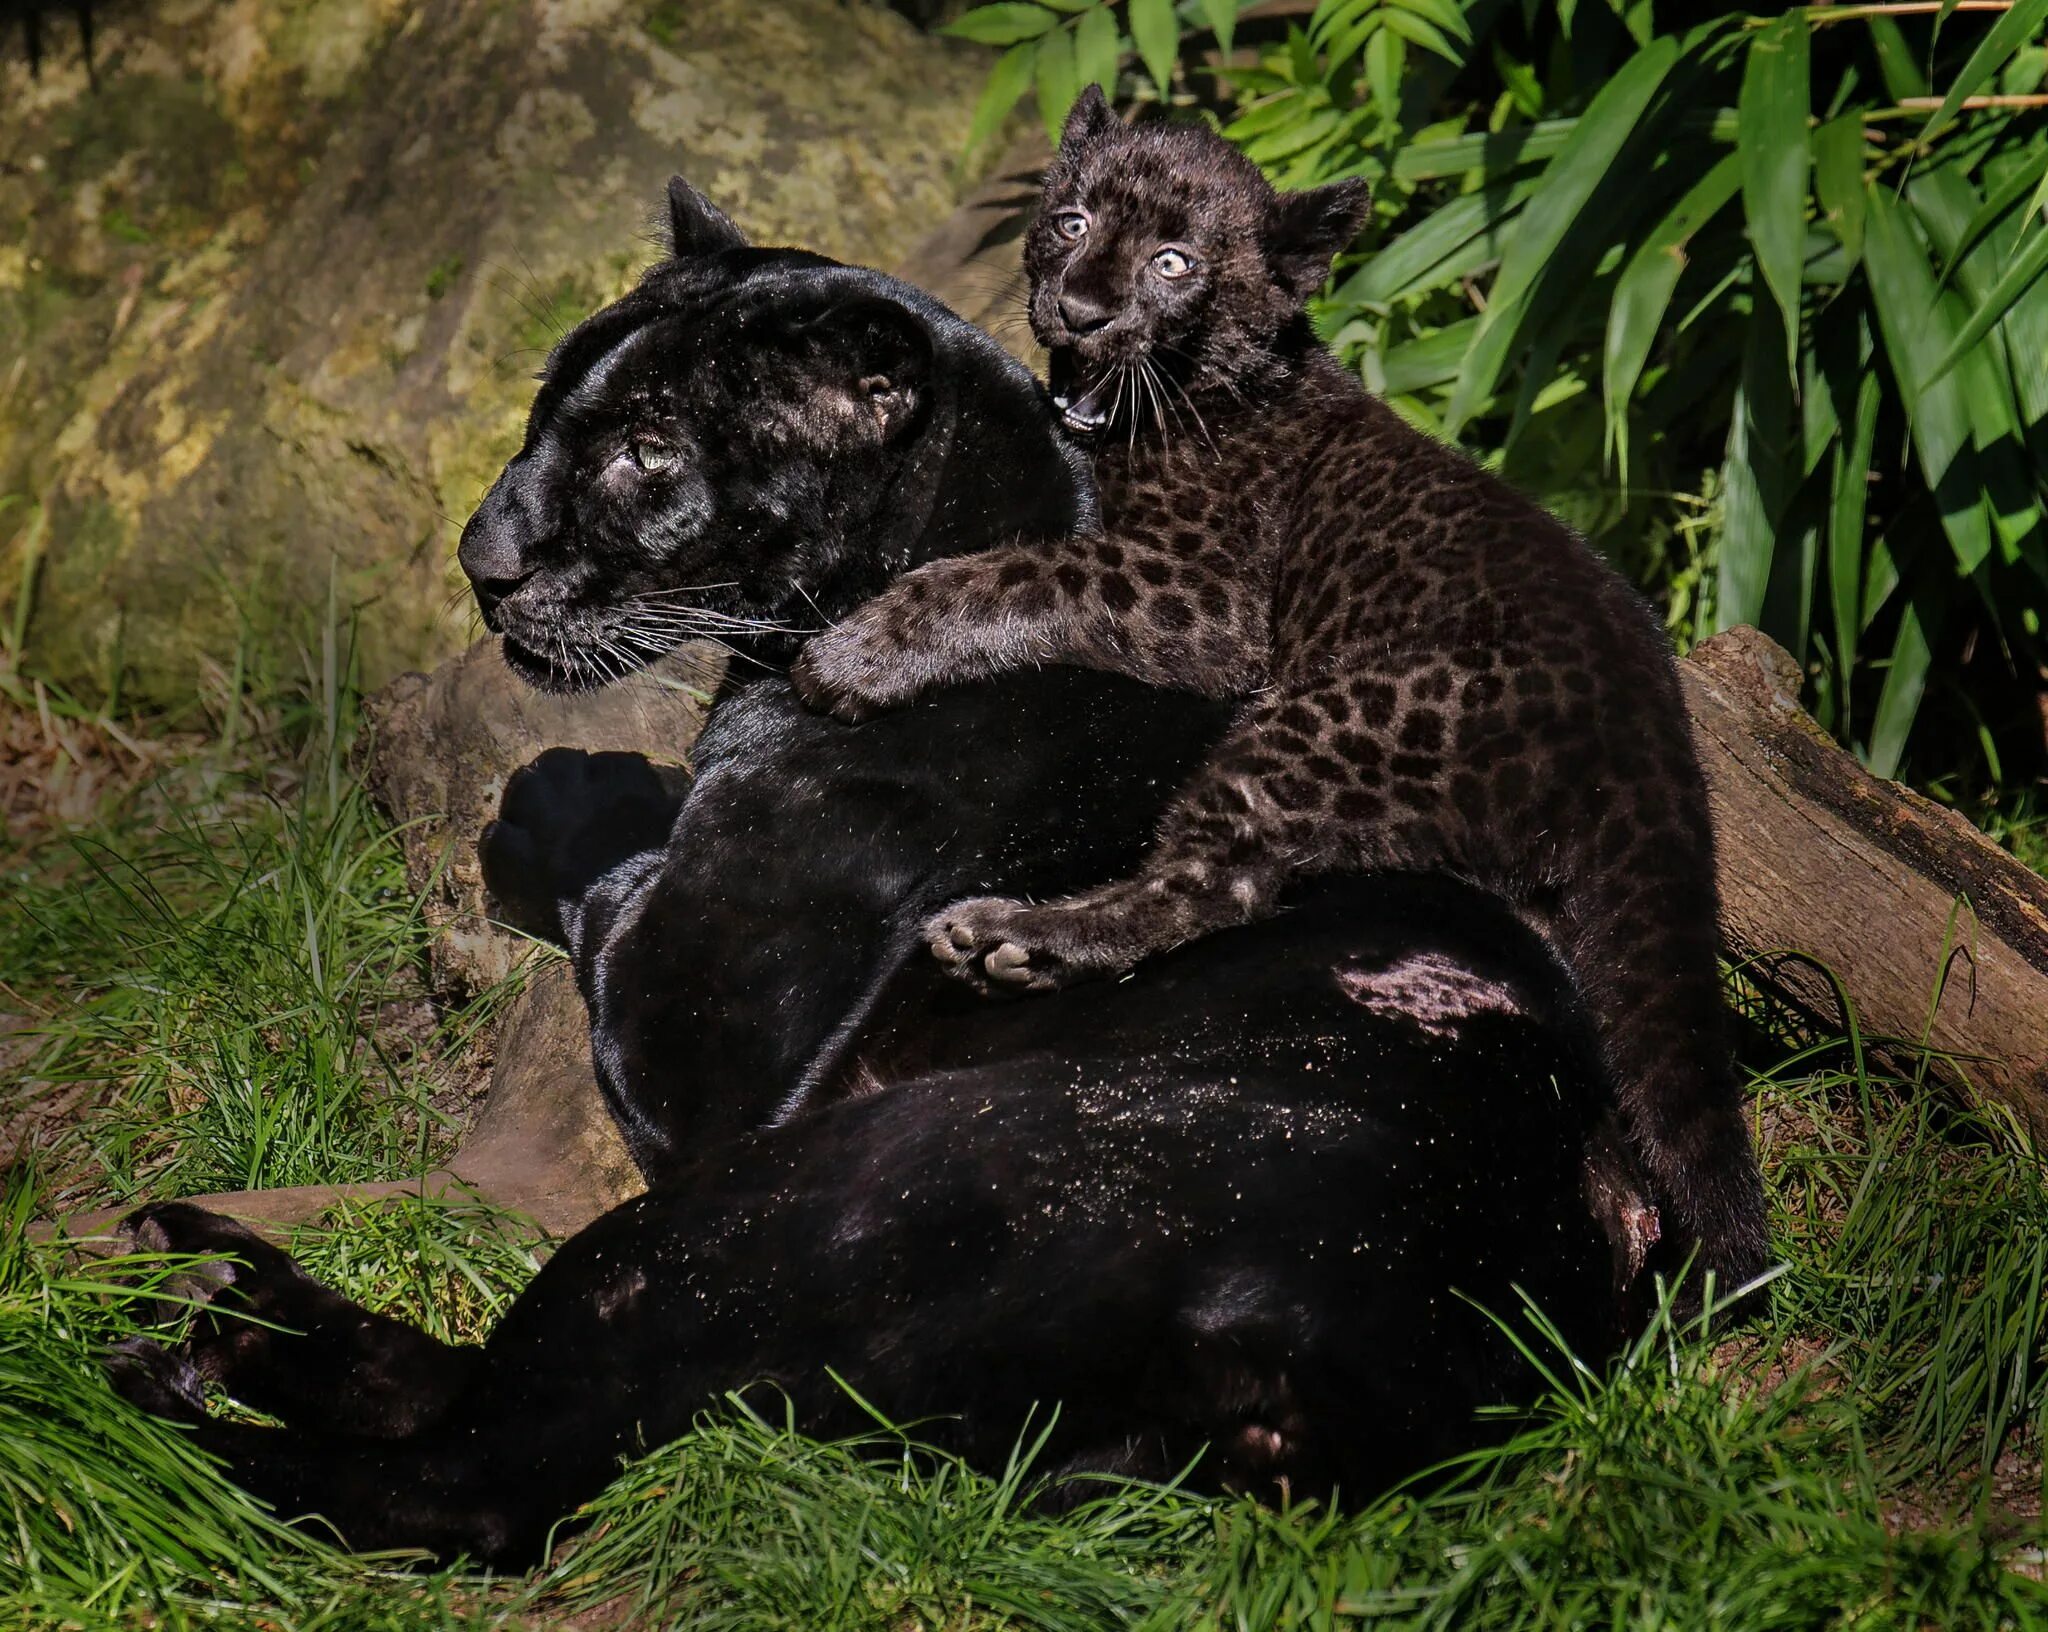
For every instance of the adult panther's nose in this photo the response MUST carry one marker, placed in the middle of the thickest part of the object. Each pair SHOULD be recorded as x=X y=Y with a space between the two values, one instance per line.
x=1082 y=315
x=493 y=563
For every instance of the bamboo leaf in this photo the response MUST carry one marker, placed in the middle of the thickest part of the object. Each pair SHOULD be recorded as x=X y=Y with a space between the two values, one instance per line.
x=1294 y=138
x=2019 y=27
x=1222 y=16
x=1414 y=259
x=1005 y=23
x=1332 y=17
x=1446 y=15
x=2021 y=275
x=1421 y=31
x=1895 y=60
x=1773 y=107
x=1753 y=479
x=1156 y=32
x=1838 y=180
x=1849 y=491
x=1587 y=157
x=1902 y=288
x=1007 y=83
x=1945 y=203
x=1055 y=80
x=1346 y=45
x=1265 y=117
x=1905 y=682
x=1431 y=360
x=2030 y=173
x=1097 y=46
x=1642 y=295
x=1385 y=56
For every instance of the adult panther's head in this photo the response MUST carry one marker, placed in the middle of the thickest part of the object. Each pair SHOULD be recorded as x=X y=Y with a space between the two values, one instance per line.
x=1162 y=263
x=749 y=443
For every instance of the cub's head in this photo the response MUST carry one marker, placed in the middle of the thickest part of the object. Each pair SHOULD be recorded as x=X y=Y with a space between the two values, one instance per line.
x=739 y=449
x=1162 y=261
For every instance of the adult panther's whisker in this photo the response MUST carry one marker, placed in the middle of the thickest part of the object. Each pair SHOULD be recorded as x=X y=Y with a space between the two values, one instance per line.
x=811 y=601
x=683 y=589
x=706 y=616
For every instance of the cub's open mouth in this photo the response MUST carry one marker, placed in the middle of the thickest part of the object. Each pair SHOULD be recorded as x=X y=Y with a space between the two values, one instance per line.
x=1084 y=398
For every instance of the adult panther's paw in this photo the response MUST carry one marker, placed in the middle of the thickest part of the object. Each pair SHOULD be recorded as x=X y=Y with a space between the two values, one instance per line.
x=221 y=1249
x=1000 y=944
x=564 y=821
x=854 y=671
x=158 y=1379
x=244 y=1293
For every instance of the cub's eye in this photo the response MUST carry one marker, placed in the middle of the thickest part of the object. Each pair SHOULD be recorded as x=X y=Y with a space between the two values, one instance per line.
x=1071 y=225
x=1173 y=263
x=652 y=457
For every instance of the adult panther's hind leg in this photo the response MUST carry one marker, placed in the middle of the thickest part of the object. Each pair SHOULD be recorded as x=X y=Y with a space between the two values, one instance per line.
x=274 y=1338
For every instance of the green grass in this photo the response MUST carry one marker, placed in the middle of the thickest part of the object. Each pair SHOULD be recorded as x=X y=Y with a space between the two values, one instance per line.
x=218 y=966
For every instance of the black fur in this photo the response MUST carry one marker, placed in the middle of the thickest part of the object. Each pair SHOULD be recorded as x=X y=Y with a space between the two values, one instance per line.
x=1434 y=673
x=1231 y=1204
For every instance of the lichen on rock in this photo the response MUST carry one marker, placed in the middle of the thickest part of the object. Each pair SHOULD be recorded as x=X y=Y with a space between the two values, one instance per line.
x=271 y=298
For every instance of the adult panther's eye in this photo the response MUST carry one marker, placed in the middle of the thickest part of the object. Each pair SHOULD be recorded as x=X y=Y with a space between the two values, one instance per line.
x=1173 y=263
x=652 y=457
x=1071 y=225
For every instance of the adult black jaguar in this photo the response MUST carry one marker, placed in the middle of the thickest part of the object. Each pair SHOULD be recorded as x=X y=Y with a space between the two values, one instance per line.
x=1247 y=1206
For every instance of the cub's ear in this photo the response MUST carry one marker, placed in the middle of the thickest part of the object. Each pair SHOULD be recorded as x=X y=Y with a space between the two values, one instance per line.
x=881 y=357
x=696 y=226
x=1089 y=121
x=1304 y=231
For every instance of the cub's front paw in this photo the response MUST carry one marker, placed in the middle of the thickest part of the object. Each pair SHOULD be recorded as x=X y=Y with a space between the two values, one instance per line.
x=1000 y=944
x=853 y=672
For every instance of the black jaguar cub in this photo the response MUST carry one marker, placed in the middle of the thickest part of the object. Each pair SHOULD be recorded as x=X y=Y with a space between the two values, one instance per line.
x=1435 y=673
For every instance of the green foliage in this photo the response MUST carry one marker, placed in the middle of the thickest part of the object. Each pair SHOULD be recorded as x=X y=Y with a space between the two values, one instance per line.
x=230 y=970
x=1056 y=48
x=233 y=972
x=1664 y=265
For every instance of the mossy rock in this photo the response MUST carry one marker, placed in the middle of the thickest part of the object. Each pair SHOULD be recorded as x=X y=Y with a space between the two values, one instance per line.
x=271 y=298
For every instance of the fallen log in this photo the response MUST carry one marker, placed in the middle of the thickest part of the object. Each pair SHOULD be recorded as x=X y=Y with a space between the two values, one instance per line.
x=1860 y=902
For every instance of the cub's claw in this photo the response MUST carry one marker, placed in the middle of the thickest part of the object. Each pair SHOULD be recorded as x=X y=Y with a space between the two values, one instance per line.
x=985 y=942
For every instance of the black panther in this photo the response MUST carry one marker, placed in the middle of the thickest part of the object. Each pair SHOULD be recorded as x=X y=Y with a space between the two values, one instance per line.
x=1246 y=1207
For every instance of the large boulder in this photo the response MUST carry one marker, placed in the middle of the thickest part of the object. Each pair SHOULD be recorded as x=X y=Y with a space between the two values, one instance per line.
x=272 y=296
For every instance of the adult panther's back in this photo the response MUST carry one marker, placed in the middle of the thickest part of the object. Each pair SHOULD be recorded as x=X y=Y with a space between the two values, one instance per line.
x=1435 y=674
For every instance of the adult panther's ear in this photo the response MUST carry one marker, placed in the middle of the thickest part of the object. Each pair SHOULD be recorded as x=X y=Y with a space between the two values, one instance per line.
x=882 y=357
x=696 y=226
x=1089 y=120
x=1305 y=230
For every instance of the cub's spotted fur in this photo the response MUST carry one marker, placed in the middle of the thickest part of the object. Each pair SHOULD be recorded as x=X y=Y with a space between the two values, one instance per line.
x=1435 y=673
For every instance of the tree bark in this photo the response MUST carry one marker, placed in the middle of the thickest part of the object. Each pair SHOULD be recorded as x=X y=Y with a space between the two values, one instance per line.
x=1860 y=902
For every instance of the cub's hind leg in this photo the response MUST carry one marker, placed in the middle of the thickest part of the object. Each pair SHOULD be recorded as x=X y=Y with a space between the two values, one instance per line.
x=274 y=1338
x=1301 y=784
